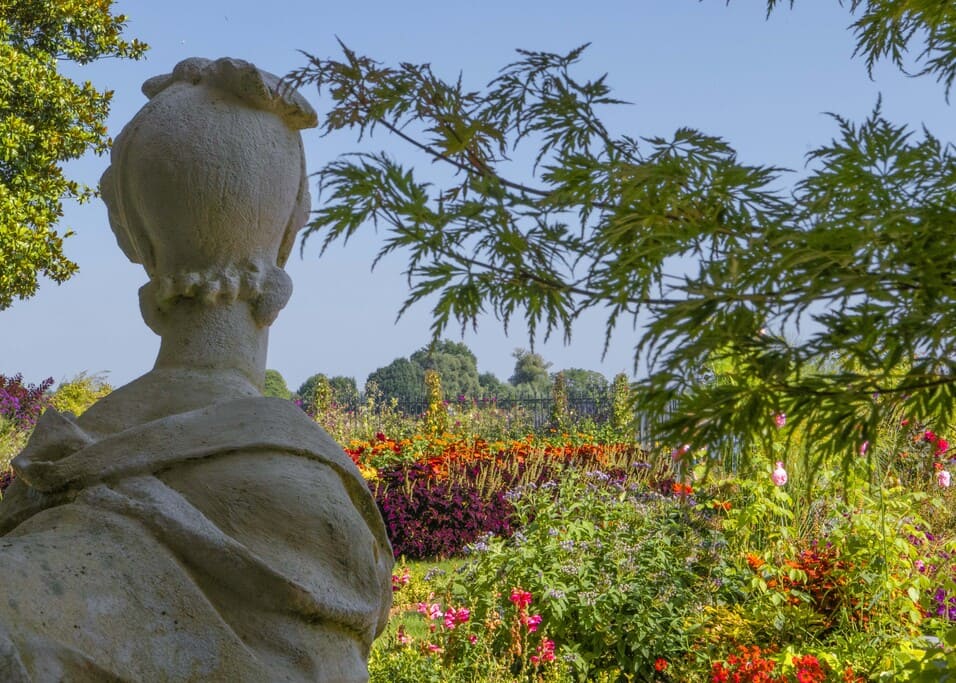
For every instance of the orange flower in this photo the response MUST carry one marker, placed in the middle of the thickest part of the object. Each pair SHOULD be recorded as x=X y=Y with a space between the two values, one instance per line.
x=682 y=489
x=754 y=562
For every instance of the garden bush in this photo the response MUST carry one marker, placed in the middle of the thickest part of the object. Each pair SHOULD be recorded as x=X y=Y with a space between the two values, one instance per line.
x=428 y=517
x=614 y=570
x=20 y=407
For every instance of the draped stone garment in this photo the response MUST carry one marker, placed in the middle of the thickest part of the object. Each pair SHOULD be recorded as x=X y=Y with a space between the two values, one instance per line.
x=236 y=542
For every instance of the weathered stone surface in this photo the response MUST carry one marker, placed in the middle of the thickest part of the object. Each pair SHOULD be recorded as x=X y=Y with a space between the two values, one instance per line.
x=185 y=528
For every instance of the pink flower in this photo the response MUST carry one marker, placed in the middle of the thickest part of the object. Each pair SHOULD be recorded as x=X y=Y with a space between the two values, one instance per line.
x=780 y=419
x=402 y=637
x=531 y=622
x=863 y=447
x=942 y=445
x=434 y=648
x=431 y=611
x=401 y=580
x=943 y=479
x=454 y=617
x=520 y=598
x=779 y=475
x=543 y=653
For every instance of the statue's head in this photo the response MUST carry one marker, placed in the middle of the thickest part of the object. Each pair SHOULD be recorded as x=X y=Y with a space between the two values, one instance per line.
x=207 y=186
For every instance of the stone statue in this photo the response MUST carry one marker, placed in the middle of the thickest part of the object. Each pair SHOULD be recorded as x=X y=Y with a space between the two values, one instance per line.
x=185 y=528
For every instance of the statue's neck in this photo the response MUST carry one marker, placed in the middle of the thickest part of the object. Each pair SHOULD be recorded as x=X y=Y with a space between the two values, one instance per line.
x=213 y=339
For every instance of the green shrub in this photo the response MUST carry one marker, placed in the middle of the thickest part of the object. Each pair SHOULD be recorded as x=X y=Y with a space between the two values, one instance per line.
x=614 y=573
x=79 y=393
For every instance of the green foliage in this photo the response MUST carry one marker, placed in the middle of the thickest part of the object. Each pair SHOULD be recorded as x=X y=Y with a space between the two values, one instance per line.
x=341 y=390
x=456 y=364
x=321 y=395
x=399 y=378
x=12 y=441
x=275 y=385
x=622 y=410
x=435 y=420
x=585 y=383
x=405 y=665
x=79 y=393
x=888 y=29
x=627 y=566
x=612 y=573
x=491 y=386
x=47 y=119
x=859 y=253
x=454 y=361
x=560 y=410
x=530 y=377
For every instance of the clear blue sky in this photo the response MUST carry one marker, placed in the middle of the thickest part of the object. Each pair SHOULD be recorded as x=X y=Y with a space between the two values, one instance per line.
x=762 y=85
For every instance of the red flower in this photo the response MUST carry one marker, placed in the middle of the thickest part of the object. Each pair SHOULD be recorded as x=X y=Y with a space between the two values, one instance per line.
x=660 y=664
x=544 y=652
x=520 y=598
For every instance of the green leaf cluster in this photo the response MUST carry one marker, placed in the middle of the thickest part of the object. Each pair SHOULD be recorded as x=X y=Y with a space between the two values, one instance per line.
x=275 y=385
x=715 y=263
x=45 y=120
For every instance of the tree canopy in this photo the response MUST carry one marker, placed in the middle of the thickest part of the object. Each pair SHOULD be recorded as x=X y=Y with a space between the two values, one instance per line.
x=579 y=382
x=455 y=363
x=398 y=379
x=45 y=120
x=275 y=385
x=858 y=255
x=530 y=376
x=343 y=389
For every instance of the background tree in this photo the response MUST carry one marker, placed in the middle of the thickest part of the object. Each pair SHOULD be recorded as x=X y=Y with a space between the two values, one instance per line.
x=275 y=385
x=343 y=389
x=584 y=383
x=456 y=364
x=859 y=253
x=400 y=378
x=45 y=120
x=530 y=376
x=491 y=386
